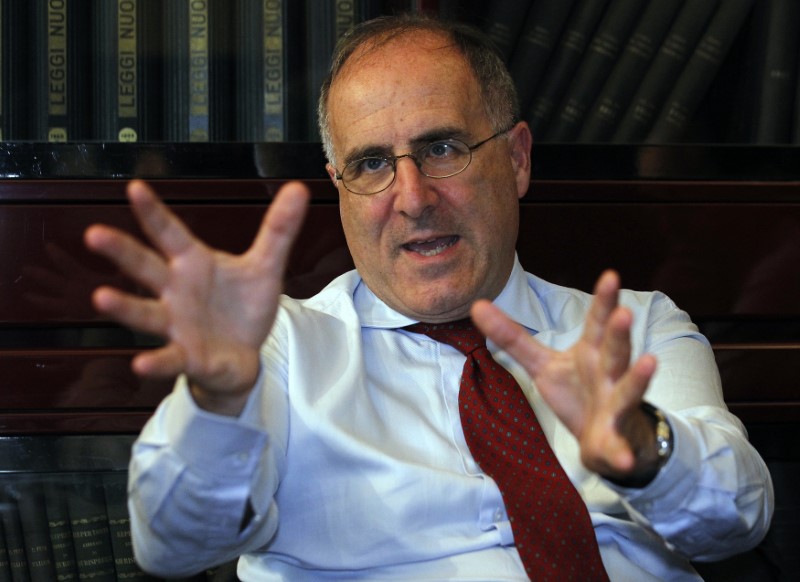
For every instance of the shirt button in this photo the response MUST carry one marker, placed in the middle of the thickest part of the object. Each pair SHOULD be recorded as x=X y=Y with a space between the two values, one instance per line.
x=499 y=515
x=242 y=458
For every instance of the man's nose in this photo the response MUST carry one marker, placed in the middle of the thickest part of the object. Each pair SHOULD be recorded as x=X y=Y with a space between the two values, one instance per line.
x=412 y=193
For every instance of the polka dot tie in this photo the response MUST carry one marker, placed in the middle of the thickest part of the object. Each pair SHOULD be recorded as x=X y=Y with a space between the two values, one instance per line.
x=552 y=529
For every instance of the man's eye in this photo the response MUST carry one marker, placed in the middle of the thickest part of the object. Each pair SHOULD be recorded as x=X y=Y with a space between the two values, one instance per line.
x=440 y=150
x=372 y=165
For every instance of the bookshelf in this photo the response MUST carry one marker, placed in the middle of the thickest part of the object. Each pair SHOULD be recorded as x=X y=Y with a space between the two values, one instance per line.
x=712 y=218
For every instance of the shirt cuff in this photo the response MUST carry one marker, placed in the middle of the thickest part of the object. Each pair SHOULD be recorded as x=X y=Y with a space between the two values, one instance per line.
x=223 y=446
x=675 y=480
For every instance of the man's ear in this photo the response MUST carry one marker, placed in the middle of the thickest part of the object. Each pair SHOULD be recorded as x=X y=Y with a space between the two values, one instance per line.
x=332 y=173
x=521 y=140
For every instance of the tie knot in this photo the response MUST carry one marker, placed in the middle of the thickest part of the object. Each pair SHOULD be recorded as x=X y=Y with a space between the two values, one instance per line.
x=461 y=334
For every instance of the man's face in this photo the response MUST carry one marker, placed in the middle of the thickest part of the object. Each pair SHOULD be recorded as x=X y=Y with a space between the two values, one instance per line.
x=427 y=247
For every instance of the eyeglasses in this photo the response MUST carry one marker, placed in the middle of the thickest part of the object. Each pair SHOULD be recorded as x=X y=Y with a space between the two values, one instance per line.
x=438 y=159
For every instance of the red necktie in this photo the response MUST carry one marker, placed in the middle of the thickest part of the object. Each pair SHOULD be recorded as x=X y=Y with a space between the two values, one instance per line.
x=552 y=529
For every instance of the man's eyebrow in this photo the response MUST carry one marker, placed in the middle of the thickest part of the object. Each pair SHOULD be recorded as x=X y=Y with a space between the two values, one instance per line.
x=437 y=134
x=386 y=150
x=368 y=151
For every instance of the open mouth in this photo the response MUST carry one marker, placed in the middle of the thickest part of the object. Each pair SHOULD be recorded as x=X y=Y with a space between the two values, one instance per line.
x=431 y=247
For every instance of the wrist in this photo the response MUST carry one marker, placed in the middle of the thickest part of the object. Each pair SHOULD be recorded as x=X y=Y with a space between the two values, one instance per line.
x=652 y=451
x=223 y=403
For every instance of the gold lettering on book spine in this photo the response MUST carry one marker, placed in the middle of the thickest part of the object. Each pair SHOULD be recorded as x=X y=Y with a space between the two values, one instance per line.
x=345 y=16
x=274 y=102
x=199 y=96
x=127 y=51
x=57 y=57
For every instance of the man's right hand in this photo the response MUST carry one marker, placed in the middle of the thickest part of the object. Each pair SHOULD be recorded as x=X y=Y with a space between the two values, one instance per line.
x=213 y=309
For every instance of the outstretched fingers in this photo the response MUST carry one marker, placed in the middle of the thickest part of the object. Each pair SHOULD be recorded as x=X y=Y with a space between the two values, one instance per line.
x=162 y=227
x=280 y=228
x=137 y=261
x=606 y=291
x=143 y=314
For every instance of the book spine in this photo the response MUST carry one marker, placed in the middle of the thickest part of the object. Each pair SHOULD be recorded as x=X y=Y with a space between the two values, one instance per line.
x=14 y=71
x=796 y=130
x=319 y=48
x=88 y=520
x=125 y=70
x=5 y=565
x=14 y=540
x=325 y=23
x=267 y=56
x=541 y=31
x=628 y=71
x=664 y=69
x=66 y=567
x=694 y=81
x=779 y=79
x=196 y=76
x=61 y=45
x=119 y=524
x=601 y=54
x=565 y=60
x=36 y=532
x=503 y=24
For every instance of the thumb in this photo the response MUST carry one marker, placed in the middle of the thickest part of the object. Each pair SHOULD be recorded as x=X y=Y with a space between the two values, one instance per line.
x=509 y=336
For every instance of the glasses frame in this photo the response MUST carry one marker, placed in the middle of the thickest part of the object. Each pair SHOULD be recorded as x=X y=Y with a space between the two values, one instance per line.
x=392 y=160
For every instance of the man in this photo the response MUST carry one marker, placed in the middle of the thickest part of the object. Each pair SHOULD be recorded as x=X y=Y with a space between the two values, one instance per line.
x=322 y=439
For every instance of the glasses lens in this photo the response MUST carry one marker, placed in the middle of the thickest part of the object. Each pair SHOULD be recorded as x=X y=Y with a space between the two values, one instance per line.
x=368 y=175
x=441 y=159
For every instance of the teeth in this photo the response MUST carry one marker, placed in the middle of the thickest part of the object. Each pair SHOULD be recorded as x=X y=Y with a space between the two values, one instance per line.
x=431 y=247
x=433 y=252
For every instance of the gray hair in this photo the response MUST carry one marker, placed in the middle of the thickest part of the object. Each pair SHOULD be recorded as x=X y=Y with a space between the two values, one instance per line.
x=498 y=93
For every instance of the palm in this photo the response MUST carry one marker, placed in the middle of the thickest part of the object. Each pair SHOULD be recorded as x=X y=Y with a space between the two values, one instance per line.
x=214 y=309
x=592 y=387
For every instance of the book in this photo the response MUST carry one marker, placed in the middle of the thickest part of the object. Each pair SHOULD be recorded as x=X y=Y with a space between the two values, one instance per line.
x=693 y=83
x=55 y=501
x=612 y=32
x=778 y=82
x=119 y=525
x=628 y=71
x=540 y=33
x=197 y=93
x=14 y=71
x=126 y=70
x=564 y=61
x=35 y=531
x=502 y=22
x=60 y=72
x=325 y=22
x=796 y=130
x=12 y=531
x=88 y=518
x=664 y=69
x=267 y=73
x=5 y=566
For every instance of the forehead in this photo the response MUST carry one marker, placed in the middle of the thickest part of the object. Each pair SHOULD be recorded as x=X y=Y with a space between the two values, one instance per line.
x=393 y=91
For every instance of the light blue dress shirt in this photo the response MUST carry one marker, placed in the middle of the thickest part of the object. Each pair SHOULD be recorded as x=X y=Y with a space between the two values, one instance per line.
x=349 y=462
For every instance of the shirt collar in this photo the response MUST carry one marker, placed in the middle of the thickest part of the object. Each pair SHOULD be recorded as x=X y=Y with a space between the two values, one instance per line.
x=517 y=299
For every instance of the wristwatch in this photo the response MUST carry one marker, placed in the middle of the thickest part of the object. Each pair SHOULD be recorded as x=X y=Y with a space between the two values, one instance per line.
x=663 y=432
x=663 y=449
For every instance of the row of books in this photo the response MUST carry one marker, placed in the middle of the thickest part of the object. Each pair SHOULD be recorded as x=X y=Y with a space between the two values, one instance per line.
x=653 y=71
x=250 y=70
x=173 y=70
x=68 y=527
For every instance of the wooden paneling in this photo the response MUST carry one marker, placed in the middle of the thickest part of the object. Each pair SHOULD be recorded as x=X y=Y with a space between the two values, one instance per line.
x=725 y=252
